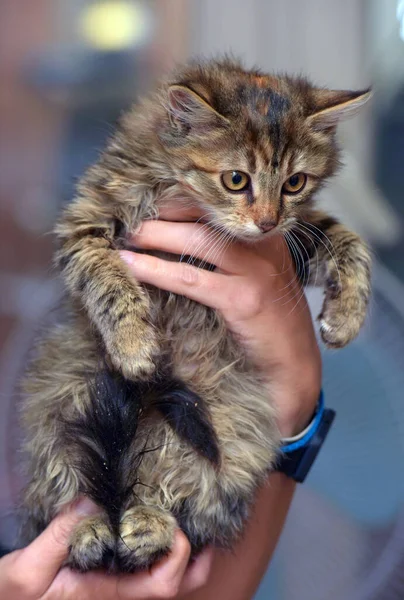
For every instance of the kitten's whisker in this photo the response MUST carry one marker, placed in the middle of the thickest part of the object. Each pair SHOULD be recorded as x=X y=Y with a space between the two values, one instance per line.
x=320 y=231
x=306 y=278
x=283 y=263
x=299 y=262
x=316 y=253
x=203 y=245
x=218 y=240
x=191 y=240
x=302 y=271
x=283 y=270
x=286 y=236
x=304 y=284
x=332 y=254
x=215 y=248
x=292 y=251
x=300 y=292
x=205 y=226
x=203 y=239
x=219 y=249
x=295 y=280
x=227 y=243
x=298 y=257
x=211 y=260
x=297 y=303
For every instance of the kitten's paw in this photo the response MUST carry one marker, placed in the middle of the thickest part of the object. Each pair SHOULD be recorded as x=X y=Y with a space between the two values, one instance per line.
x=133 y=349
x=146 y=535
x=341 y=321
x=92 y=545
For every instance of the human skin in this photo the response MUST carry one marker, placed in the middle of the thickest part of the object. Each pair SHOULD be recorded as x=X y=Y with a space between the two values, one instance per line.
x=36 y=572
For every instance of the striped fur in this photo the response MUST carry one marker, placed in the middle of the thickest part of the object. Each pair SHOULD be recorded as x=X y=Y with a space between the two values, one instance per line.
x=179 y=430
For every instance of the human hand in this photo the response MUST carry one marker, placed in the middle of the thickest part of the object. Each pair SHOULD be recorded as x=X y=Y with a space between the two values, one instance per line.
x=255 y=288
x=36 y=573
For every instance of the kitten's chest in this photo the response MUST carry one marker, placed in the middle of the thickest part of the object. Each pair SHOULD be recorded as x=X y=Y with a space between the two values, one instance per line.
x=190 y=333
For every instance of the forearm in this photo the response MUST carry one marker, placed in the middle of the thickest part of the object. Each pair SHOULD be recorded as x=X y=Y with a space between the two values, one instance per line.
x=236 y=574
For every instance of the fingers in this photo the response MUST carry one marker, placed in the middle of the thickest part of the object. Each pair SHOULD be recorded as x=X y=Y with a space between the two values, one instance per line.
x=71 y=585
x=198 y=572
x=192 y=239
x=202 y=286
x=270 y=253
x=237 y=297
x=33 y=569
x=275 y=251
x=163 y=580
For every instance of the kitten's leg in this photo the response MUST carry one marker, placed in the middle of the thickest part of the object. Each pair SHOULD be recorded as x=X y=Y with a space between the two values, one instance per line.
x=94 y=272
x=211 y=502
x=92 y=544
x=146 y=535
x=55 y=392
x=341 y=261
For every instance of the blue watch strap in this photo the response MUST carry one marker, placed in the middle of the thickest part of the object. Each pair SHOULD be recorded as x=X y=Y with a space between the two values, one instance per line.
x=296 y=458
x=314 y=425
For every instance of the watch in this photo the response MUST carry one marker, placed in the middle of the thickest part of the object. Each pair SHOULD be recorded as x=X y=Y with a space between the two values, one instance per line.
x=298 y=454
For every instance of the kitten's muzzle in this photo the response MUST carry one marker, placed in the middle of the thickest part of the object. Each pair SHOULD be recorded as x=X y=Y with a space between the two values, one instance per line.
x=266 y=225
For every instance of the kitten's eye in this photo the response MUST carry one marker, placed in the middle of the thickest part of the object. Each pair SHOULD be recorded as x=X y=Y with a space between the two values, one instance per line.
x=235 y=181
x=294 y=184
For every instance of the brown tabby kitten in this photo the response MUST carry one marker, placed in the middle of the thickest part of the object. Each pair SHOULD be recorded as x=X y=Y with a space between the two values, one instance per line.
x=139 y=398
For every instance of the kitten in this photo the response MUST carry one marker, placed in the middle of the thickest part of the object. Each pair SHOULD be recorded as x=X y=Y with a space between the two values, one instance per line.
x=139 y=398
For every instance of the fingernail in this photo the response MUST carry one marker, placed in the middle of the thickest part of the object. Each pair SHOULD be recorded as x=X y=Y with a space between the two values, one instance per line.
x=127 y=257
x=86 y=507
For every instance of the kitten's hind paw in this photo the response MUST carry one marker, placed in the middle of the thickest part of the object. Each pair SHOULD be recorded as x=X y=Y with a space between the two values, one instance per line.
x=146 y=535
x=92 y=545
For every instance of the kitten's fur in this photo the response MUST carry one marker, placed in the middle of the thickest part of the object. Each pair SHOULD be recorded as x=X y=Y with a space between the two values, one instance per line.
x=188 y=433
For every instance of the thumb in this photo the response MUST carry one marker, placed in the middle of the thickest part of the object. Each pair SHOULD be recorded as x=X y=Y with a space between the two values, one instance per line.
x=45 y=555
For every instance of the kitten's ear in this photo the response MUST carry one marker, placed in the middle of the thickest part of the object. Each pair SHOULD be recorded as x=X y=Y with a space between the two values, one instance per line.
x=333 y=106
x=188 y=108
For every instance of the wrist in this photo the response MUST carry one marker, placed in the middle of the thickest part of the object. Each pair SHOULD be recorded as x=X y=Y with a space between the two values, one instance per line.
x=296 y=409
x=294 y=386
x=297 y=454
x=293 y=442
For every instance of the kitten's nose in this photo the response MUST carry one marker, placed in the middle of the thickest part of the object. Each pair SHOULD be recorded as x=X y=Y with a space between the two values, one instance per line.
x=267 y=225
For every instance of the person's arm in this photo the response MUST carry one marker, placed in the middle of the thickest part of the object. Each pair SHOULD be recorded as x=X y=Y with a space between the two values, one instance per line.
x=236 y=575
x=256 y=290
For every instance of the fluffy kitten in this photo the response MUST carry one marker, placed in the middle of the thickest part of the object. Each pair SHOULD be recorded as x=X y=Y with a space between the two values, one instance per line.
x=139 y=398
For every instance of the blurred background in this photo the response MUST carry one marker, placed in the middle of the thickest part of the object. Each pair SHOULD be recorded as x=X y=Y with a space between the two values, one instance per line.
x=67 y=70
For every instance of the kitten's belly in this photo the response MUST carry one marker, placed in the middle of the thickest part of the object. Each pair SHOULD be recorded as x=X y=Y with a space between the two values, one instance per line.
x=195 y=340
x=204 y=355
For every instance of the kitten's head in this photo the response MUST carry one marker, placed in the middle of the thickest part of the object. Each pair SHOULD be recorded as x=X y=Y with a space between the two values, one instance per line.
x=252 y=148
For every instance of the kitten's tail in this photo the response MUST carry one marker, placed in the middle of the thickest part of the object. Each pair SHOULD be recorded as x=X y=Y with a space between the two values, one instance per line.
x=101 y=438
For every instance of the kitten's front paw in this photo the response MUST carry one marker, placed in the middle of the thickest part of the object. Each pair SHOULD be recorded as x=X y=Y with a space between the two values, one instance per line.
x=133 y=349
x=146 y=535
x=92 y=545
x=341 y=320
